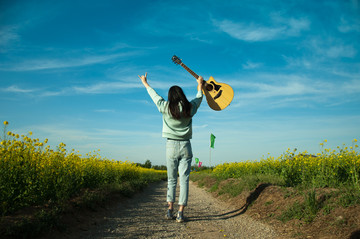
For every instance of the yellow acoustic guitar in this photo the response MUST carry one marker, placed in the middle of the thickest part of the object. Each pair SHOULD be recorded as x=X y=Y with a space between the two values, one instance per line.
x=218 y=95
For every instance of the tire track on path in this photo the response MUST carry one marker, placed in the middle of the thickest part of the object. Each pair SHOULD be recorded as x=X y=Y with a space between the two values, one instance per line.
x=143 y=216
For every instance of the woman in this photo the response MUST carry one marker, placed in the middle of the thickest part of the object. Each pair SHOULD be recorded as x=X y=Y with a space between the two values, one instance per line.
x=177 y=128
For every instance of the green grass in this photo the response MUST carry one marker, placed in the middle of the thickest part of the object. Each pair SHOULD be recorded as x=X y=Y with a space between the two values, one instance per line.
x=232 y=188
x=235 y=186
x=305 y=210
x=295 y=173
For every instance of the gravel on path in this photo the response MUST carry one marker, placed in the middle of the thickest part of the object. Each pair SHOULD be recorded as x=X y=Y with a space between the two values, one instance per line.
x=143 y=216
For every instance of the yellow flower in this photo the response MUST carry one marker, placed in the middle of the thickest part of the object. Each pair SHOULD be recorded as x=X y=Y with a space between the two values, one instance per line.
x=6 y=123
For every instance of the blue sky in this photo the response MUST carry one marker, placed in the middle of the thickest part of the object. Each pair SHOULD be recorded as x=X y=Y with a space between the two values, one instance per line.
x=69 y=72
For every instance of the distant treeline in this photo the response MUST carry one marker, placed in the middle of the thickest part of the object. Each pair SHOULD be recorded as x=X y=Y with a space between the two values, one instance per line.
x=148 y=164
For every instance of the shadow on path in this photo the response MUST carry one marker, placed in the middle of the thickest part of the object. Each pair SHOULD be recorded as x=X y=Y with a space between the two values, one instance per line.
x=234 y=213
x=355 y=235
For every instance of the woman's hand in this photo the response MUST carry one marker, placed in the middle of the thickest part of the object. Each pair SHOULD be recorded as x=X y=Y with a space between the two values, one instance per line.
x=144 y=80
x=200 y=81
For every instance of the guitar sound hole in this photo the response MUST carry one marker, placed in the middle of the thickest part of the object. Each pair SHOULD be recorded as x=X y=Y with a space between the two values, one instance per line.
x=209 y=87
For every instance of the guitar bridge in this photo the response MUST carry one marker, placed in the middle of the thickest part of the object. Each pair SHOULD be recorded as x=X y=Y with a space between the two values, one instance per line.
x=218 y=95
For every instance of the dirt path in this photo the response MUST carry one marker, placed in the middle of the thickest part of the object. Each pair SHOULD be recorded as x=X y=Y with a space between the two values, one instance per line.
x=143 y=216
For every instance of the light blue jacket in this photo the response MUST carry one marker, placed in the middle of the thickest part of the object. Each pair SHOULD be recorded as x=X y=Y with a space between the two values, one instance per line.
x=173 y=128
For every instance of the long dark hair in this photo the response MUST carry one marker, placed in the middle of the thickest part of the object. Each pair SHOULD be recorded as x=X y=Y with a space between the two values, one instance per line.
x=176 y=95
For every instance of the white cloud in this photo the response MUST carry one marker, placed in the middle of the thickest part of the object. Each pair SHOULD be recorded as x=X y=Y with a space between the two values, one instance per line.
x=351 y=87
x=292 y=88
x=295 y=26
x=324 y=50
x=195 y=127
x=347 y=26
x=255 y=32
x=106 y=87
x=8 y=34
x=114 y=143
x=50 y=63
x=105 y=111
x=247 y=32
x=16 y=89
x=332 y=48
x=341 y=51
x=251 y=65
x=287 y=90
x=97 y=88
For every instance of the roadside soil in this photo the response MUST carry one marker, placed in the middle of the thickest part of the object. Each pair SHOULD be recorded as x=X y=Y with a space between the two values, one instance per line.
x=267 y=202
x=143 y=216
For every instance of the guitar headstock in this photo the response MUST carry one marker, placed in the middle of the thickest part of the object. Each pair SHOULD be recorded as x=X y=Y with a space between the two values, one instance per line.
x=176 y=60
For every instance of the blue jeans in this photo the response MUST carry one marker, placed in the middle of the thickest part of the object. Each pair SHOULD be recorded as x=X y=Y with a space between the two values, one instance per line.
x=178 y=158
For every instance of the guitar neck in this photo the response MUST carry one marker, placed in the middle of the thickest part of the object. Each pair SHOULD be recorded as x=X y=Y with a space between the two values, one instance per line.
x=189 y=70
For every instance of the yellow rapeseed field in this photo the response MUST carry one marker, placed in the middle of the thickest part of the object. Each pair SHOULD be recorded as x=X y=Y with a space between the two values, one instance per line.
x=32 y=173
x=329 y=168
